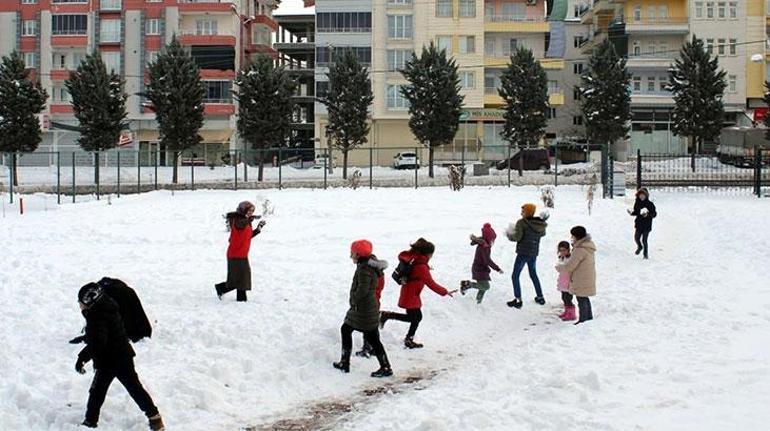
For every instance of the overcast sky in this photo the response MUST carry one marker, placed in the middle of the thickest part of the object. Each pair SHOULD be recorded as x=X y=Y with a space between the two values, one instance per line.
x=292 y=7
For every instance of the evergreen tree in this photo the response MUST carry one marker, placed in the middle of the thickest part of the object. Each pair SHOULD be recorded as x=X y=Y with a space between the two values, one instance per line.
x=99 y=104
x=606 y=96
x=175 y=93
x=434 y=98
x=766 y=120
x=348 y=101
x=524 y=89
x=264 y=106
x=21 y=100
x=698 y=86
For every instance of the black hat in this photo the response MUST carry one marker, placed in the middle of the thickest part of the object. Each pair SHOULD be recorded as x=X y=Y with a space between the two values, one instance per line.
x=89 y=294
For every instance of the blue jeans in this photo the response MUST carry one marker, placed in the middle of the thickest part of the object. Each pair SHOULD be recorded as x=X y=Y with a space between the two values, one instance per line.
x=518 y=266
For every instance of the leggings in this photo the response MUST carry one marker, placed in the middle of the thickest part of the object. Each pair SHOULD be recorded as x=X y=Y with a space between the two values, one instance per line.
x=584 y=306
x=640 y=237
x=413 y=316
x=567 y=298
x=372 y=337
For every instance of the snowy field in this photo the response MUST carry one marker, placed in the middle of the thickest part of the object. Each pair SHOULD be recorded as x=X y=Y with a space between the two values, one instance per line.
x=679 y=342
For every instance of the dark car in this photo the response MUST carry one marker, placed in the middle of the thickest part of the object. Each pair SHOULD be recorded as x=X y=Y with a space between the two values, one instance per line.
x=533 y=159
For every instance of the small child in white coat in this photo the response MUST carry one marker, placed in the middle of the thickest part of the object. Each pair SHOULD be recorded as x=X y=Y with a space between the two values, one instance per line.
x=562 y=284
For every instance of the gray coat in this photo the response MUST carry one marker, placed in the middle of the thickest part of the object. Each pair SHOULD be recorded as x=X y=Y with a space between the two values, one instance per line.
x=526 y=234
x=364 y=312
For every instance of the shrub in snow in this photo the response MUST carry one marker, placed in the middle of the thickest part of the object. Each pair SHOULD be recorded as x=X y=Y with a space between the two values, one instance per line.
x=547 y=196
x=455 y=178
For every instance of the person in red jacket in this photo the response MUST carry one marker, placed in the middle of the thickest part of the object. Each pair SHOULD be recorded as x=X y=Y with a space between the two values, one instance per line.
x=418 y=257
x=241 y=233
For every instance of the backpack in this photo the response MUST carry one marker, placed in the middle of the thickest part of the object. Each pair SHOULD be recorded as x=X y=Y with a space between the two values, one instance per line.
x=402 y=271
x=135 y=321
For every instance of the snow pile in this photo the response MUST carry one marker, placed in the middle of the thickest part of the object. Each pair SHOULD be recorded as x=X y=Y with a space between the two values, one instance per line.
x=678 y=341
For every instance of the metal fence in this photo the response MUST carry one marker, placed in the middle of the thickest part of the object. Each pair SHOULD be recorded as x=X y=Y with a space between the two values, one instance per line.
x=71 y=173
x=704 y=172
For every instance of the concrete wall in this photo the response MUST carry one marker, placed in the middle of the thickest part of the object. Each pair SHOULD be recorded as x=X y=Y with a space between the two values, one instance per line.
x=134 y=66
x=8 y=22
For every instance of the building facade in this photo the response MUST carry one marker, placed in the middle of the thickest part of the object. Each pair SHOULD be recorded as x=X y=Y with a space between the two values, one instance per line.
x=55 y=35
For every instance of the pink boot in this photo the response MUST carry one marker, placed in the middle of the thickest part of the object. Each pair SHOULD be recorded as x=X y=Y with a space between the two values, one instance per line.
x=569 y=313
x=563 y=313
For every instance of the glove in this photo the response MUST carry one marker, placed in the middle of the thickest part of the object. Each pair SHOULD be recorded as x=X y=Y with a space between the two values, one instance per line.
x=77 y=340
x=79 y=366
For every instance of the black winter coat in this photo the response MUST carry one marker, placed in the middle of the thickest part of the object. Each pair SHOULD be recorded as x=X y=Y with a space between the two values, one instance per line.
x=105 y=338
x=644 y=223
x=527 y=234
x=364 y=311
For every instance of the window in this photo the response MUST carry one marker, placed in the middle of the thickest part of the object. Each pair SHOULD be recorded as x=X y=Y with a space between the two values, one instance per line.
x=663 y=13
x=651 y=13
x=399 y=26
x=577 y=94
x=65 y=25
x=721 y=46
x=577 y=41
x=444 y=8
x=109 y=30
x=344 y=22
x=698 y=9
x=59 y=60
x=206 y=27
x=59 y=94
x=577 y=68
x=400 y=2
x=396 y=100
x=721 y=11
x=397 y=58
x=663 y=48
x=651 y=48
x=733 y=46
x=577 y=120
x=637 y=48
x=553 y=87
x=734 y=10
x=467 y=44
x=513 y=11
x=151 y=56
x=326 y=55
x=445 y=43
x=489 y=47
x=710 y=46
x=30 y=60
x=636 y=84
x=468 y=79
x=637 y=13
x=322 y=89
x=710 y=10
x=489 y=10
x=152 y=26
x=29 y=28
x=550 y=114
x=467 y=8
x=651 y=84
x=112 y=61
x=663 y=81
x=28 y=1
x=732 y=83
x=490 y=83
x=217 y=92
x=77 y=58
x=513 y=45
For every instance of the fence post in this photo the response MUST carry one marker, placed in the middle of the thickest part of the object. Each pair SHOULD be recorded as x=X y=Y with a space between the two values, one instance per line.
x=280 y=170
x=415 y=168
x=692 y=161
x=192 y=173
x=234 y=161
x=118 y=173
x=611 y=174
x=462 y=170
x=11 y=172
x=638 y=168
x=326 y=165
x=245 y=165
x=556 y=165
x=371 y=166
x=73 y=177
x=138 y=171
x=155 y=163
x=509 y=165
x=758 y=172
x=98 y=179
x=58 y=177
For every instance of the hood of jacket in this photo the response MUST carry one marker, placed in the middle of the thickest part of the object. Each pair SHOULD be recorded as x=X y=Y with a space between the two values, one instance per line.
x=586 y=243
x=536 y=223
x=378 y=265
x=407 y=256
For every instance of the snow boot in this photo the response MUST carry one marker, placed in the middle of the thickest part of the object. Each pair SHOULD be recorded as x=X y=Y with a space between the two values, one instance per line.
x=638 y=250
x=366 y=351
x=464 y=285
x=569 y=313
x=384 y=370
x=156 y=423
x=219 y=287
x=540 y=300
x=89 y=424
x=516 y=303
x=410 y=344
x=344 y=363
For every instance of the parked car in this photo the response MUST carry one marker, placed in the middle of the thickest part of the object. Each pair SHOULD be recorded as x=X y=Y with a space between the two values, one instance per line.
x=319 y=161
x=406 y=160
x=533 y=159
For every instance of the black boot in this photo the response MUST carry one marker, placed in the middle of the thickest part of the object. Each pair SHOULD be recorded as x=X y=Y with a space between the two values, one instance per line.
x=638 y=250
x=366 y=351
x=540 y=300
x=89 y=424
x=219 y=287
x=156 y=423
x=344 y=363
x=410 y=344
x=516 y=303
x=384 y=370
x=464 y=286
x=384 y=315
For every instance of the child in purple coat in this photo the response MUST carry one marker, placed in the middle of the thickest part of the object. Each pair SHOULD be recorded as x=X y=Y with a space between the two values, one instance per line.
x=482 y=263
x=562 y=284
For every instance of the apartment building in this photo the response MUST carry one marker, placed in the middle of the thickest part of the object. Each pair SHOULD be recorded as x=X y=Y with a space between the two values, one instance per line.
x=54 y=35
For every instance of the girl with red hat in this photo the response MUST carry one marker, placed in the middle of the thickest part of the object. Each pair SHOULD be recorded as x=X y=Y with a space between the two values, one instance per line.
x=482 y=263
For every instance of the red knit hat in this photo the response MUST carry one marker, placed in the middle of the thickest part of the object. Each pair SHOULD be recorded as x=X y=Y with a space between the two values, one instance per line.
x=488 y=233
x=362 y=248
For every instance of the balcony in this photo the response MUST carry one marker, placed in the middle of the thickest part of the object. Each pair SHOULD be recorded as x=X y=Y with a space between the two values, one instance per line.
x=110 y=5
x=501 y=59
x=492 y=97
x=600 y=8
x=194 y=37
x=109 y=36
x=267 y=21
x=668 y=25
x=218 y=108
x=208 y=6
x=651 y=61
x=516 y=24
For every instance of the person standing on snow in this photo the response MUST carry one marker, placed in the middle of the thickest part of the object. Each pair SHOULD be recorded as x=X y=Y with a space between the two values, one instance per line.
x=107 y=344
x=526 y=233
x=644 y=211
x=364 y=309
x=238 y=268
x=581 y=267
x=482 y=263
x=367 y=350
x=417 y=257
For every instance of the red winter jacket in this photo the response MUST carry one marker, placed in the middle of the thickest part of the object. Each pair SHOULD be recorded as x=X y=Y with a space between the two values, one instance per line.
x=380 y=286
x=240 y=242
x=418 y=278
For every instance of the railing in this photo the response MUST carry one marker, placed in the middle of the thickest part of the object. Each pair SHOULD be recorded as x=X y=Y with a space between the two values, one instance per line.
x=657 y=20
x=491 y=91
x=513 y=18
x=344 y=29
x=69 y=1
x=185 y=32
x=110 y=4
x=205 y=1
x=226 y=101
x=654 y=56
x=109 y=36
x=326 y=64
x=70 y=32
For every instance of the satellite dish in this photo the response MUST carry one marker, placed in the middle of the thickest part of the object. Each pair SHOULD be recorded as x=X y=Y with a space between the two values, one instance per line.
x=757 y=58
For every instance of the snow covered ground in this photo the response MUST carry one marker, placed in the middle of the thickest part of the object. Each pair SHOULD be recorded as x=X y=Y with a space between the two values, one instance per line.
x=679 y=341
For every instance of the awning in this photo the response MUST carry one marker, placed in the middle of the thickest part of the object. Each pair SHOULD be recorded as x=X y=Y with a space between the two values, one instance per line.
x=214 y=136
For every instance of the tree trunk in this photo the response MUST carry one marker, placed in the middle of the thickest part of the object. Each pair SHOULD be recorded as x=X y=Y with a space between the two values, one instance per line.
x=96 y=167
x=175 y=175
x=345 y=164
x=261 y=165
x=430 y=161
x=15 y=168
